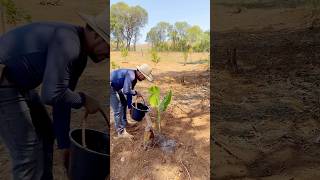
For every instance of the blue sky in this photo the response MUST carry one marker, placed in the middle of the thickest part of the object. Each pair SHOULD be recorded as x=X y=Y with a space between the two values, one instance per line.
x=195 y=12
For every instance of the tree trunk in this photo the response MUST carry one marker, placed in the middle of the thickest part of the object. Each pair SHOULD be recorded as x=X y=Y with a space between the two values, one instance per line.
x=135 y=41
x=117 y=48
x=128 y=44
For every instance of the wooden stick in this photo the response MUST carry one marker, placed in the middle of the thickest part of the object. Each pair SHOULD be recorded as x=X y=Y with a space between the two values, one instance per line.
x=225 y=149
x=186 y=169
x=84 y=130
x=180 y=108
x=105 y=117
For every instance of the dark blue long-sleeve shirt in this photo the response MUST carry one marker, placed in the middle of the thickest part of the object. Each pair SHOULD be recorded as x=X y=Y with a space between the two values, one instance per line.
x=52 y=54
x=125 y=80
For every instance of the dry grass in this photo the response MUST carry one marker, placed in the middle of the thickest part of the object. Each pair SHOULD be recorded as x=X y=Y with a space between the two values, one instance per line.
x=138 y=57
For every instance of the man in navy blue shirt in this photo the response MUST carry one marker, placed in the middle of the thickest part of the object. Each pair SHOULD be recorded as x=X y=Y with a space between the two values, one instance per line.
x=54 y=55
x=122 y=84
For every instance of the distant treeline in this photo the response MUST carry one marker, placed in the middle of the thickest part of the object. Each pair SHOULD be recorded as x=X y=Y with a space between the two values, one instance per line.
x=127 y=21
x=178 y=37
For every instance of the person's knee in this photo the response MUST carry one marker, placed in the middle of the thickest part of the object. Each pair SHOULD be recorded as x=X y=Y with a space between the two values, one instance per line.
x=117 y=115
x=29 y=164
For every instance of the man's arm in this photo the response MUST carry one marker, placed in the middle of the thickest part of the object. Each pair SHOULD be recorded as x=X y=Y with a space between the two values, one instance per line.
x=127 y=88
x=61 y=124
x=56 y=91
x=64 y=48
x=61 y=116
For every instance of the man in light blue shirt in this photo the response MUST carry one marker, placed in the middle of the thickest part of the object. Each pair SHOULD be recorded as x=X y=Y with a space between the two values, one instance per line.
x=122 y=84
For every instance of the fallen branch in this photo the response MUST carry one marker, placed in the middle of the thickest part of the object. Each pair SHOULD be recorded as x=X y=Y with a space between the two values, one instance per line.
x=225 y=149
x=180 y=108
x=186 y=169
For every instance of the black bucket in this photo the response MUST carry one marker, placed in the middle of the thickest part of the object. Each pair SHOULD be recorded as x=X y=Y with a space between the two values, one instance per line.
x=92 y=162
x=139 y=110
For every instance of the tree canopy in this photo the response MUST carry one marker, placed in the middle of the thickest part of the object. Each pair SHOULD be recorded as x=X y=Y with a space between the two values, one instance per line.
x=126 y=22
x=178 y=37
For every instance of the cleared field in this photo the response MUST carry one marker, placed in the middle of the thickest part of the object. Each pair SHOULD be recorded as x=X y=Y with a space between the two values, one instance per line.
x=187 y=121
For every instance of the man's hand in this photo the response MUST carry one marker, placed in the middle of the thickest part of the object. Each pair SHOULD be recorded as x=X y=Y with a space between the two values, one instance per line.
x=138 y=94
x=65 y=154
x=91 y=104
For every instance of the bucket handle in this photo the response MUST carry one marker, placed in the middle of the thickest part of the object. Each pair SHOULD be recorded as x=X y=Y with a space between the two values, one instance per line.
x=83 y=131
x=84 y=125
x=144 y=103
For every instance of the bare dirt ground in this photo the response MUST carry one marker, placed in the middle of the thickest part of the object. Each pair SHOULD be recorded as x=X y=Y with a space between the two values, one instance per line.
x=267 y=113
x=186 y=121
x=93 y=80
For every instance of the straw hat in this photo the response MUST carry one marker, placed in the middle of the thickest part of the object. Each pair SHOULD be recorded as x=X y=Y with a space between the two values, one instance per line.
x=99 y=23
x=145 y=69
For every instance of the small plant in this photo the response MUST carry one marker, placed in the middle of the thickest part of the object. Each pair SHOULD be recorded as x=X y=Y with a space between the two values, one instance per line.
x=124 y=53
x=159 y=105
x=154 y=56
x=11 y=14
x=114 y=65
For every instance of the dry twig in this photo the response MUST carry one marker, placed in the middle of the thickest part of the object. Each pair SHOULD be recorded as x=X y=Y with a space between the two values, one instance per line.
x=185 y=169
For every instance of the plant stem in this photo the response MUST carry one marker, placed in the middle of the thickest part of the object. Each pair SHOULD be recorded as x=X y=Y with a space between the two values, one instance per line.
x=159 y=121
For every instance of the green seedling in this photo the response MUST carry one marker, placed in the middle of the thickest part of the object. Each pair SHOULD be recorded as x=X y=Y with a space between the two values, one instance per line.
x=159 y=105
x=124 y=53
x=154 y=56
x=114 y=65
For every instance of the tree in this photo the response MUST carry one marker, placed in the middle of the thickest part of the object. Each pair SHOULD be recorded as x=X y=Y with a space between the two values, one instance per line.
x=152 y=37
x=205 y=42
x=139 y=18
x=136 y=37
x=158 y=35
x=163 y=30
x=126 y=23
x=118 y=20
x=178 y=37
x=202 y=42
x=194 y=34
x=181 y=28
x=173 y=37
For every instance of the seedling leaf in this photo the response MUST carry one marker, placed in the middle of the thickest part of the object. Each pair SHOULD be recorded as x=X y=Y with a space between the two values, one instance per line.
x=154 y=98
x=165 y=102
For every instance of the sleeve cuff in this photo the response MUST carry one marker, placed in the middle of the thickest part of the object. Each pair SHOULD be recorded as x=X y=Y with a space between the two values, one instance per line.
x=83 y=98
